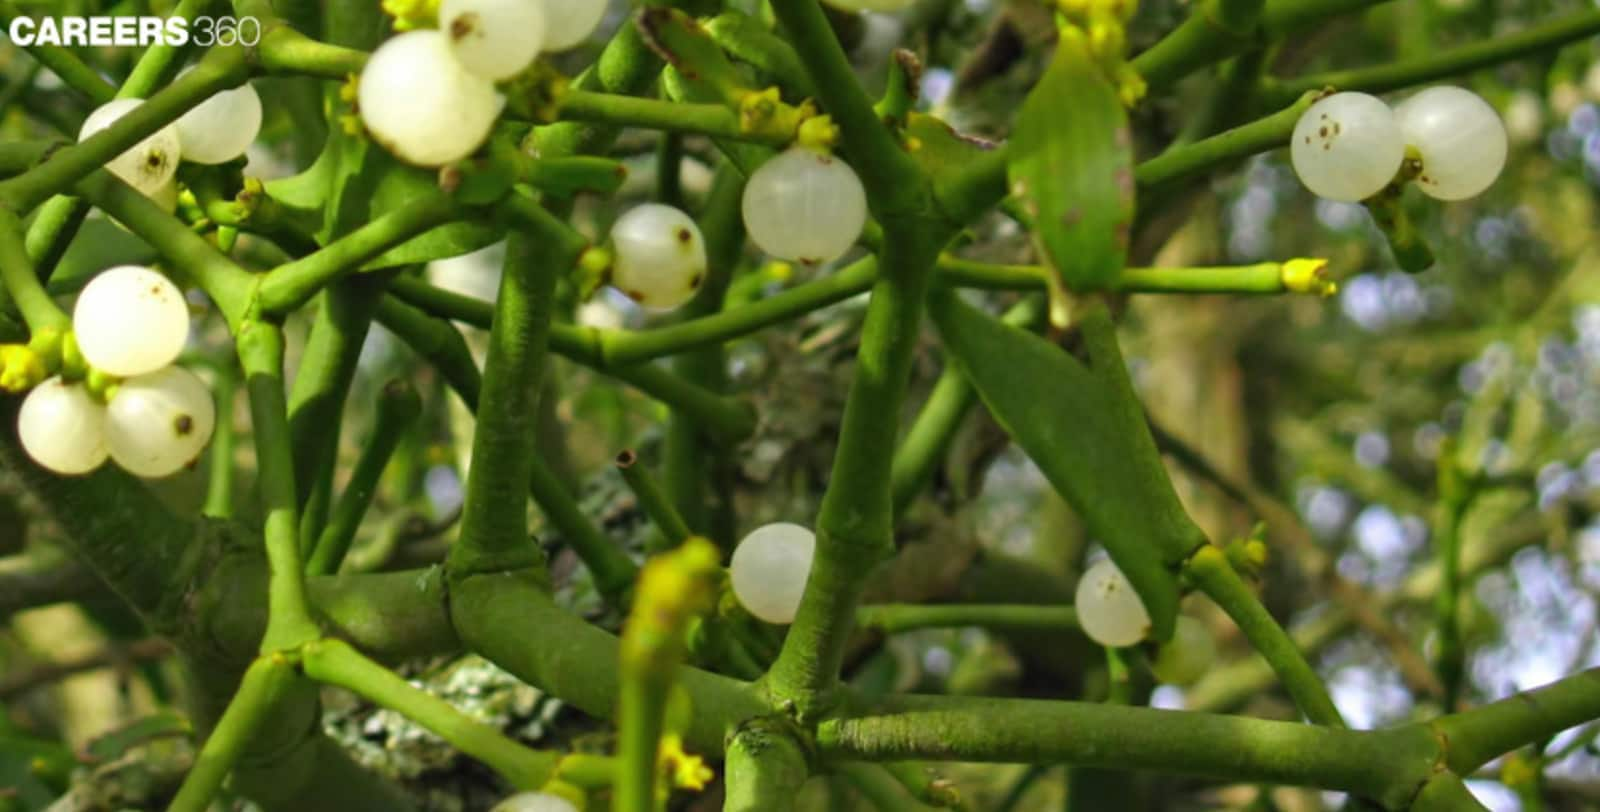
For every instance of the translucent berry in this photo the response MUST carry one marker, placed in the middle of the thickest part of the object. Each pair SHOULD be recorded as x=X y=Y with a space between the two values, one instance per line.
x=157 y=424
x=151 y=162
x=1460 y=138
x=805 y=206
x=222 y=127
x=495 y=39
x=659 y=256
x=1109 y=610
x=63 y=428
x=1187 y=656
x=769 y=570
x=421 y=104
x=1347 y=147
x=130 y=320
x=534 y=802
x=569 y=22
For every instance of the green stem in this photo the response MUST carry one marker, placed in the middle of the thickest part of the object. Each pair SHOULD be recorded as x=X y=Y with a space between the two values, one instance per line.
x=611 y=567
x=1478 y=736
x=895 y=185
x=714 y=120
x=1189 y=160
x=286 y=51
x=22 y=283
x=764 y=769
x=62 y=61
x=855 y=526
x=398 y=408
x=444 y=347
x=674 y=589
x=219 y=488
x=290 y=286
x=158 y=63
x=261 y=354
x=511 y=619
x=268 y=680
x=1207 y=37
x=941 y=416
x=652 y=499
x=893 y=618
x=1538 y=40
x=1209 y=569
x=494 y=526
x=1385 y=765
x=321 y=386
x=336 y=663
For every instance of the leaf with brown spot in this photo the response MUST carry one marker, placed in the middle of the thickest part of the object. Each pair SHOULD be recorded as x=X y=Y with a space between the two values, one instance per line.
x=1071 y=161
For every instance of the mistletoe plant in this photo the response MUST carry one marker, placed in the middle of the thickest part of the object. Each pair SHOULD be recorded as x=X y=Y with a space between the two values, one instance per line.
x=433 y=129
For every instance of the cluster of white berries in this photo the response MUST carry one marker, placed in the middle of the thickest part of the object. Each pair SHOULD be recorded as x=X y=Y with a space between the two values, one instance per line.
x=804 y=205
x=428 y=96
x=1349 y=146
x=534 y=802
x=216 y=131
x=769 y=570
x=132 y=323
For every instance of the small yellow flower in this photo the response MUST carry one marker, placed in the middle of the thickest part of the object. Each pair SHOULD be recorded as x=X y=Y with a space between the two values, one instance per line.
x=1307 y=276
x=686 y=770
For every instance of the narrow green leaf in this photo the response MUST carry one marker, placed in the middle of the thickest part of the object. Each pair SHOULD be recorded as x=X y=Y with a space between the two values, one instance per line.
x=1085 y=429
x=1071 y=168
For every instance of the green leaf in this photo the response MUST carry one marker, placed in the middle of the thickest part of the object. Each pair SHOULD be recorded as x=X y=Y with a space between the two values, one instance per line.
x=1071 y=168
x=1083 y=426
x=354 y=182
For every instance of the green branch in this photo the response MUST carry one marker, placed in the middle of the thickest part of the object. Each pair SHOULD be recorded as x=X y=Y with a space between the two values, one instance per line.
x=1538 y=40
x=398 y=408
x=674 y=589
x=1476 y=737
x=22 y=282
x=336 y=663
x=893 y=618
x=63 y=62
x=1189 y=160
x=1210 y=570
x=494 y=526
x=290 y=286
x=895 y=186
x=268 y=681
x=652 y=499
x=1387 y=766
x=289 y=622
x=764 y=769
x=714 y=120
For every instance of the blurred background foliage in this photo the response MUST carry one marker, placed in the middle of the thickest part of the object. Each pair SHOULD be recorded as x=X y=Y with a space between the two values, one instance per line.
x=1334 y=412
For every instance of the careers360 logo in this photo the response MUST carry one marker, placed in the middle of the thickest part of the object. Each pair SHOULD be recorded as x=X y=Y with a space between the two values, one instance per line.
x=131 y=32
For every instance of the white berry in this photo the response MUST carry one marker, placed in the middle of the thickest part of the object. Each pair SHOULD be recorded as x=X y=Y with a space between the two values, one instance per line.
x=149 y=164
x=495 y=39
x=62 y=428
x=534 y=802
x=158 y=423
x=569 y=22
x=1460 y=138
x=1187 y=656
x=1347 y=147
x=130 y=320
x=769 y=570
x=805 y=206
x=659 y=256
x=421 y=104
x=1109 y=610
x=222 y=127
